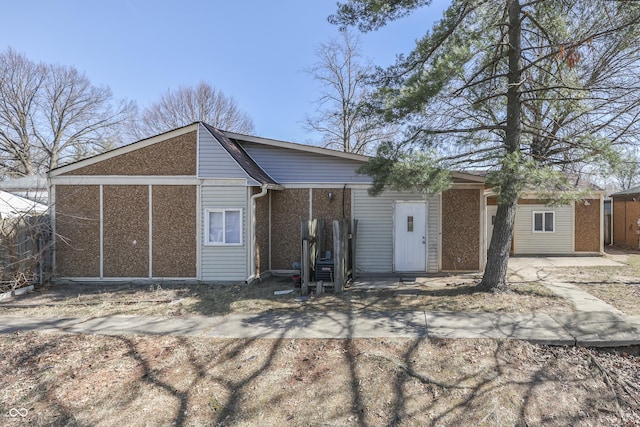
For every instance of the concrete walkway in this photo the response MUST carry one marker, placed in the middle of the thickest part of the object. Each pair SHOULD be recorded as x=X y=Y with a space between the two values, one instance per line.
x=595 y=323
x=537 y=269
x=579 y=328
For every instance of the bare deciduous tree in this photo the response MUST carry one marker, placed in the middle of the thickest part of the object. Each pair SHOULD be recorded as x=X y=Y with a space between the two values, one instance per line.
x=49 y=114
x=186 y=105
x=340 y=117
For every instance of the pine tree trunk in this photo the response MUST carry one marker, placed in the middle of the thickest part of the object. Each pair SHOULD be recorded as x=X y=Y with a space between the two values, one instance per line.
x=495 y=273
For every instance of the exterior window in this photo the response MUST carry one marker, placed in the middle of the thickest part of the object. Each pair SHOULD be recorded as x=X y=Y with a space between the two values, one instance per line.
x=224 y=226
x=544 y=222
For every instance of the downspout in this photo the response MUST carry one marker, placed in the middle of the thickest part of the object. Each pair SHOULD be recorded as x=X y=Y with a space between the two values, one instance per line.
x=252 y=234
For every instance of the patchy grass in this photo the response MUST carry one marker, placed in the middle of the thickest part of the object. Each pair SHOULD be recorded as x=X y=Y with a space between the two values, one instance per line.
x=453 y=293
x=56 y=380
x=618 y=286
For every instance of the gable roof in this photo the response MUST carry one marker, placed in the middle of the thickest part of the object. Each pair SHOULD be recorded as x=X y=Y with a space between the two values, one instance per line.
x=241 y=157
x=122 y=150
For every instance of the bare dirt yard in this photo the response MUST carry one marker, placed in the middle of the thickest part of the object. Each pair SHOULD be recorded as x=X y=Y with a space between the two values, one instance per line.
x=49 y=379
x=65 y=380
x=449 y=293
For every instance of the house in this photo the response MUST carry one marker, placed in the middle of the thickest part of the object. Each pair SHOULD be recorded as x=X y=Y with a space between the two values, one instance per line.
x=199 y=203
x=571 y=229
x=12 y=205
x=625 y=218
x=33 y=187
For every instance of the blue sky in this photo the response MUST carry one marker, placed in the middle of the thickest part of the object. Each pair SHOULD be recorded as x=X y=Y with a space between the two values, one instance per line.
x=252 y=50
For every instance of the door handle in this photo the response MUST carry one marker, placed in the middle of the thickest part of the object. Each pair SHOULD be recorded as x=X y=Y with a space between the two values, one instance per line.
x=424 y=240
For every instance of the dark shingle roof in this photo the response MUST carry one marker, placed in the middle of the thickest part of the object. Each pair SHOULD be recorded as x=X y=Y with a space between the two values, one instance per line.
x=241 y=157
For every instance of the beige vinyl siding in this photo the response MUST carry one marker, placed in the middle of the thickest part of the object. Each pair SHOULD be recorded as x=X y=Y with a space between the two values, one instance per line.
x=375 y=230
x=224 y=263
x=558 y=242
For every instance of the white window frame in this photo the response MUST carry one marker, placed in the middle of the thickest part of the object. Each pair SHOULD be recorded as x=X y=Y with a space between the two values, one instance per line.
x=544 y=221
x=207 y=219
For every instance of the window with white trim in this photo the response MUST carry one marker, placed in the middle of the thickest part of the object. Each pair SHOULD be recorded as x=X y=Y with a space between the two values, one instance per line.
x=223 y=226
x=544 y=222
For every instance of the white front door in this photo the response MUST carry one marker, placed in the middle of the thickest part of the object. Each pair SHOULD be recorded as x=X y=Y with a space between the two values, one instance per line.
x=410 y=236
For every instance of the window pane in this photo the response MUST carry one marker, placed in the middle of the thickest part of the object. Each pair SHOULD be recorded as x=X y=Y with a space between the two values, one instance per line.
x=548 y=221
x=232 y=227
x=537 y=222
x=216 y=227
x=409 y=223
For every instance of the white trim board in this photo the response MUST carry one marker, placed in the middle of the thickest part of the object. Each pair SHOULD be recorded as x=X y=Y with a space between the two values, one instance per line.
x=125 y=180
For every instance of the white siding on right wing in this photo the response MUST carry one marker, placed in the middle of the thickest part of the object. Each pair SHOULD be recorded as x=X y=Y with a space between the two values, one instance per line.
x=374 y=246
x=530 y=243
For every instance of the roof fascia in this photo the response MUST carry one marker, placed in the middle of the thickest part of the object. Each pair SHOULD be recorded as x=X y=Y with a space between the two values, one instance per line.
x=468 y=177
x=123 y=150
x=296 y=146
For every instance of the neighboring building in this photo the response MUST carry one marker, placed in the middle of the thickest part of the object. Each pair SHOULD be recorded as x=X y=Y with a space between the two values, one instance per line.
x=626 y=217
x=34 y=187
x=12 y=206
x=198 y=203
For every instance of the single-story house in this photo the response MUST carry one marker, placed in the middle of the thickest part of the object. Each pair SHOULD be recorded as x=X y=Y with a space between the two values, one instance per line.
x=625 y=217
x=200 y=203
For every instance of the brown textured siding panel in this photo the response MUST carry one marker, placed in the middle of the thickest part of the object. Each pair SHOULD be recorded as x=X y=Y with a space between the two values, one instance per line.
x=626 y=213
x=174 y=231
x=175 y=156
x=78 y=229
x=262 y=233
x=330 y=210
x=288 y=208
x=460 y=230
x=587 y=229
x=126 y=230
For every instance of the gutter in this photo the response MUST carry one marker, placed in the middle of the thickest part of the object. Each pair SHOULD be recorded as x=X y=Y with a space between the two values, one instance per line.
x=252 y=233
